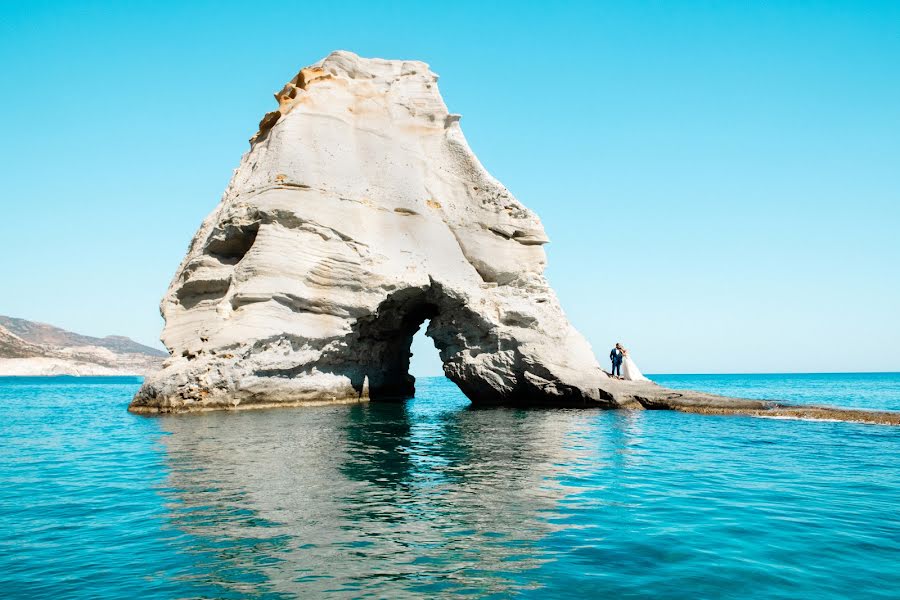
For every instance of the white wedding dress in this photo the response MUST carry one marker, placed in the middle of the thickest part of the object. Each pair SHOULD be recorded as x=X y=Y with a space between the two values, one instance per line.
x=630 y=371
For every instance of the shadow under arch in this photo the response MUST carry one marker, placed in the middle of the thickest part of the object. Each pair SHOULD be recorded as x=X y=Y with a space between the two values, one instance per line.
x=375 y=356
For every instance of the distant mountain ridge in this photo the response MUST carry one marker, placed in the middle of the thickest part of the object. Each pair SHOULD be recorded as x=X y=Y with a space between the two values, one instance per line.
x=42 y=333
x=30 y=348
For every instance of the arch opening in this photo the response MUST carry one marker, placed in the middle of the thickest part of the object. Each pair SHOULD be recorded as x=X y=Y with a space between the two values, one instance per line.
x=381 y=343
x=425 y=361
x=389 y=377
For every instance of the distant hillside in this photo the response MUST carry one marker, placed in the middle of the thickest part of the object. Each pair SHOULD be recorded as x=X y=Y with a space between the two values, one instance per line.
x=41 y=333
x=35 y=349
x=15 y=347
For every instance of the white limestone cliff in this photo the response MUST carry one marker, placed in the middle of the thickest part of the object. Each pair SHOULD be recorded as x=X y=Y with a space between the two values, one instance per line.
x=359 y=212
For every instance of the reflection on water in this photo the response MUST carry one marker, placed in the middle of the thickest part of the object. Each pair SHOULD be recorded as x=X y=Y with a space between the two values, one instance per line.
x=424 y=496
x=430 y=497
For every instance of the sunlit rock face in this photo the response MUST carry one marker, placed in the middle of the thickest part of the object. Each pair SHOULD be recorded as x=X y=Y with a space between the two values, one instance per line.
x=358 y=213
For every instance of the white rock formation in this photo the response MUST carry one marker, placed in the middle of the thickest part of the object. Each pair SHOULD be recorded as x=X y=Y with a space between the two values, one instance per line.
x=358 y=213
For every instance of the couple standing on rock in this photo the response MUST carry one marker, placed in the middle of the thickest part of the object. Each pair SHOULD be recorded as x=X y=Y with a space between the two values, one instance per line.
x=623 y=367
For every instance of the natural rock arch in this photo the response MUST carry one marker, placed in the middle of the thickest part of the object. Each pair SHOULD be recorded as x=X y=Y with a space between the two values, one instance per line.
x=375 y=357
x=358 y=212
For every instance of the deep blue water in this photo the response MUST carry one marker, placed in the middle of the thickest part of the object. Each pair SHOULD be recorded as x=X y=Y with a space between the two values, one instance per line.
x=432 y=498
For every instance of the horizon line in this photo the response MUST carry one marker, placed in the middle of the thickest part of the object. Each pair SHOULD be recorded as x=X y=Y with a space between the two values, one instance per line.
x=760 y=373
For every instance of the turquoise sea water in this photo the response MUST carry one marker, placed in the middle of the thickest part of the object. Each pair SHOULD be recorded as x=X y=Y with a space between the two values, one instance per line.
x=432 y=498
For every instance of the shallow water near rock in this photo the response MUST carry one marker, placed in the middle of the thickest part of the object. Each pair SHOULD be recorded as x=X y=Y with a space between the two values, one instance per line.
x=430 y=497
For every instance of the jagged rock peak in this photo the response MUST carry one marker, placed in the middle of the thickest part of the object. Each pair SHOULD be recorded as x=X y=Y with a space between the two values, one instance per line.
x=358 y=213
x=379 y=75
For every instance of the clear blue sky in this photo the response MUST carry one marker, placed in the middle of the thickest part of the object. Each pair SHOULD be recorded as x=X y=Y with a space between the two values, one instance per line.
x=720 y=180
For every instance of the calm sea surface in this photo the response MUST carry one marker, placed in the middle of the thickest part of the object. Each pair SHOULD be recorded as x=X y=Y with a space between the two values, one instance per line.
x=432 y=498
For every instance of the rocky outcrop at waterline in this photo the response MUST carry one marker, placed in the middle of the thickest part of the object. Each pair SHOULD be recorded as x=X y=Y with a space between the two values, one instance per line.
x=648 y=396
x=359 y=213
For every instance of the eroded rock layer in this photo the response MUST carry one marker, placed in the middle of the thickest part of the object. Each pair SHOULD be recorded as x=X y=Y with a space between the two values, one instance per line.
x=358 y=213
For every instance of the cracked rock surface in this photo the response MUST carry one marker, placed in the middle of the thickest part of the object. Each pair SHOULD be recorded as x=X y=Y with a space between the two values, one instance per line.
x=358 y=213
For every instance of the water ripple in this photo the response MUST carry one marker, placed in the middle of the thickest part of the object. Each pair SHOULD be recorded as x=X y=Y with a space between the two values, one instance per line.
x=430 y=498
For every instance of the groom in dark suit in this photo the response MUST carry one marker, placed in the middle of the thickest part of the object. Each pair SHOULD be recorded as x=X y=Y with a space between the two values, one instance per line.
x=615 y=355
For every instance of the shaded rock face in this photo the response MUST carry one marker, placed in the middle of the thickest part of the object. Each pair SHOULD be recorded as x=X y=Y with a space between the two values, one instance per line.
x=358 y=213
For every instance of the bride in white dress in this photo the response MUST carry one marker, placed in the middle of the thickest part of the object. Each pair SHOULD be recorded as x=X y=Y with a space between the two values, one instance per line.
x=630 y=371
